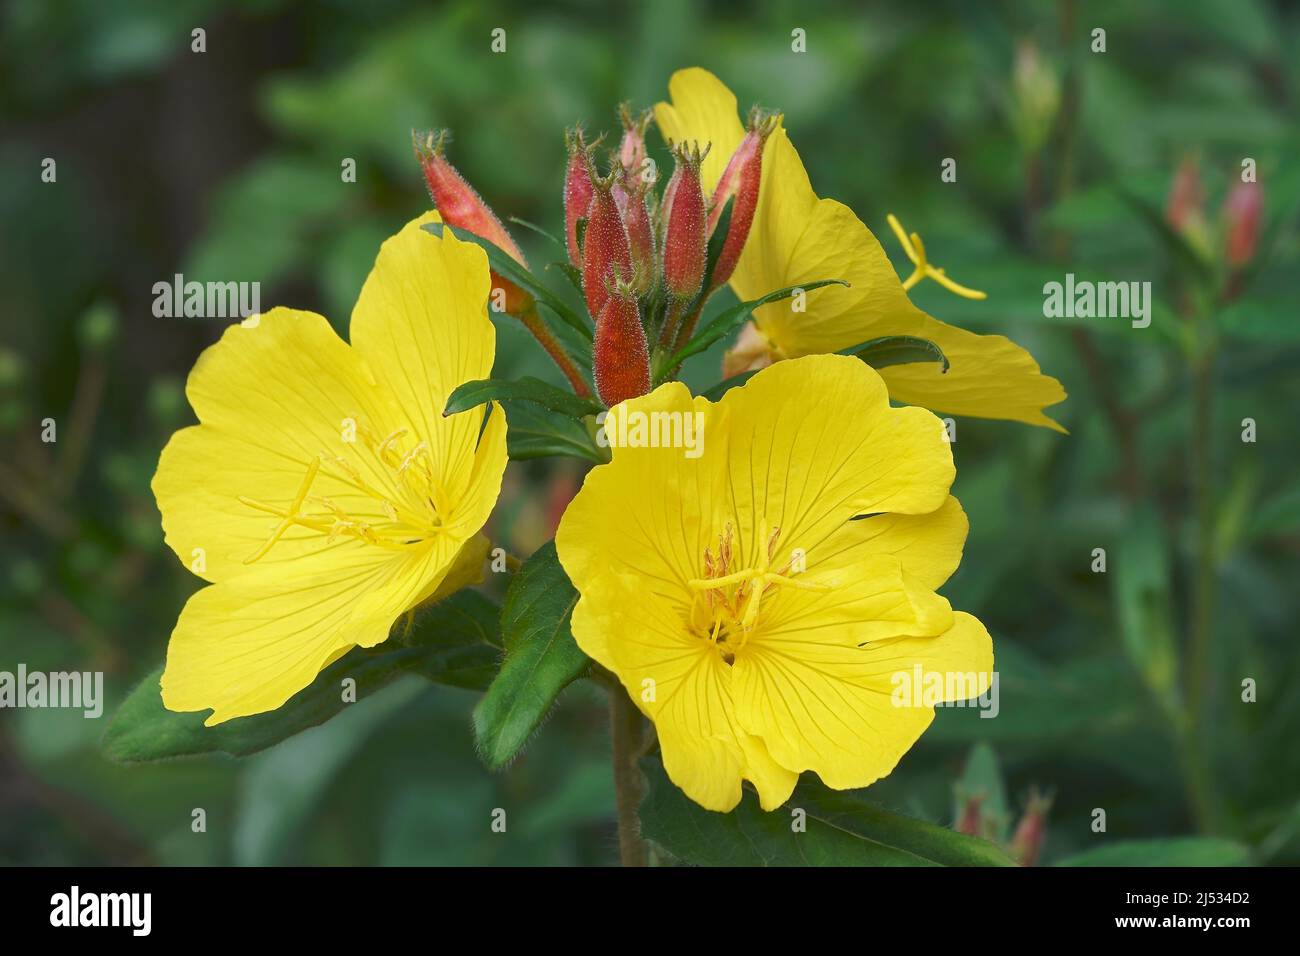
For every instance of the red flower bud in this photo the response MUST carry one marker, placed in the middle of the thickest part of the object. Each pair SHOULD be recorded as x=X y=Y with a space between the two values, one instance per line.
x=631 y=150
x=1241 y=213
x=685 y=242
x=740 y=182
x=1027 y=842
x=604 y=246
x=641 y=240
x=460 y=206
x=971 y=820
x=577 y=189
x=620 y=354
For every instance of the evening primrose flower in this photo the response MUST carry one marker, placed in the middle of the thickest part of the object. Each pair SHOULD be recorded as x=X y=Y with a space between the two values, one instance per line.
x=323 y=493
x=798 y=237
x=760 y=602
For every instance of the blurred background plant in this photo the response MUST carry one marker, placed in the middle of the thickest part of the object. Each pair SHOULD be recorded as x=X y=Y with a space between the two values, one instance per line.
x=1120 y=690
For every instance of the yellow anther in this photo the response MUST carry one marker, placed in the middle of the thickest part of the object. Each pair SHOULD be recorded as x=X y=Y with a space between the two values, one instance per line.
x=735 y=598
x=385 y=447
x=914 y=249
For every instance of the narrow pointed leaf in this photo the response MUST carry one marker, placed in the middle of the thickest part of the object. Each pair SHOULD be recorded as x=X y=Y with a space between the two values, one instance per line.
x=527 y=389
x=898 y=350
x=716 y=241
x=533 y=431
x=727 y=384
x=541 y=658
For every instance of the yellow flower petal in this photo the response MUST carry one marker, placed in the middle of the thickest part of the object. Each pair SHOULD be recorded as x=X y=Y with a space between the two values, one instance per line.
x=680 y=684
x=421 y=326
x=249 y=643
x=805 y=465
x=271 y=398
x=323 y=489
x=691 y=570
x=928 y=546
x=832 y=708
x=797 y=237
x=868 y=599
x=660 y=537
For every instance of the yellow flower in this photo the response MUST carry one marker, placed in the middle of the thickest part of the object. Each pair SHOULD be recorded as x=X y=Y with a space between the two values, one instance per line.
x=797 y=237
x=747 y=613
x=323 y=493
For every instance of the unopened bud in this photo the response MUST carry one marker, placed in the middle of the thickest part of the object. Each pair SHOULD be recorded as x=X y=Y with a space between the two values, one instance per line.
x=620 y=355
x=1241 y=214
x=631 y=149
x=641 y=240
x=740 y=184
x=685 y=241
x=577 y=189
x=1027 y=842
x=751 y=352
x=604 y=246
x=460 y=206
x=971 y=820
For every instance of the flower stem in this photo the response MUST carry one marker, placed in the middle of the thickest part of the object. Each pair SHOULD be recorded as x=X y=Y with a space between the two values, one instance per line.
x=628 y=730
x=1204 y=588
x=534 y=324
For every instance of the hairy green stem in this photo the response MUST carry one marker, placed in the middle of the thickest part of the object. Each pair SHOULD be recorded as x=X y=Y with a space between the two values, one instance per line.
x=1203 y=594
x=628 y=731
x=534 y=324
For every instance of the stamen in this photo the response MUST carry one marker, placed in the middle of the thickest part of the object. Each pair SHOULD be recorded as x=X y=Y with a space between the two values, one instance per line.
x=289 y=517
x=734 y=599
x=914 y=249
x=410 y=516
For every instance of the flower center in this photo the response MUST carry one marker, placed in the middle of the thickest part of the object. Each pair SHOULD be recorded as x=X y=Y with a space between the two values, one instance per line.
x=727 y=602
x=408 y=516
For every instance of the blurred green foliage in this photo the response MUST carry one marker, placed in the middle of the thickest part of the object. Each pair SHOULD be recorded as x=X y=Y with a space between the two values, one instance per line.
x=226 y=165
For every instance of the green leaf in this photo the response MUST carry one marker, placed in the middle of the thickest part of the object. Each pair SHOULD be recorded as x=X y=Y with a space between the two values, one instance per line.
x=569 y=272
x=842 y=829
x=454 y=642
x=533 y=227
x=536 y=432
x=897 y=350
x=506 y=267
x=1140 y=582
x=732 y=318
x=541 y=658
x=527 y=389
x=716 y=241
x=1175 y=851
x=727 y=384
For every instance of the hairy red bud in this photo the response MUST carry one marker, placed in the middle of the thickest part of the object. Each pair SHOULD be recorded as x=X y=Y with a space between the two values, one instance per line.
x=460 y=206
x=641 y=241
x=1027 y=841
x=577 y=189
x=604 y=247
x=631 y=149
x=740 y=184
x=685 y=242
x=620 y=354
